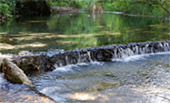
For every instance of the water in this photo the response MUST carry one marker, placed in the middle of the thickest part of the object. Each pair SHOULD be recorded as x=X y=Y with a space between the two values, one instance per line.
x=133 y=76
x=128 y=80
x=79 y=31
x=144 y=80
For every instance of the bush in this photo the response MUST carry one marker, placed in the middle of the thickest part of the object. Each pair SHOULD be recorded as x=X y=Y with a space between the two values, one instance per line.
x=5 y=10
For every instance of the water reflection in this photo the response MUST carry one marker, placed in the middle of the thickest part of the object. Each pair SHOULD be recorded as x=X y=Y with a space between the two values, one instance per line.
x=80 y=31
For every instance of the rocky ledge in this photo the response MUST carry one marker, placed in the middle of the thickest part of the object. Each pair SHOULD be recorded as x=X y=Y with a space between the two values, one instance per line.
x=63 y=10
x=15 y=67
x=47 y=61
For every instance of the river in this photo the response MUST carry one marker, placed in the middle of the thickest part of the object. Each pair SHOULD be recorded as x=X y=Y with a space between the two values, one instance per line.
x=135 y=79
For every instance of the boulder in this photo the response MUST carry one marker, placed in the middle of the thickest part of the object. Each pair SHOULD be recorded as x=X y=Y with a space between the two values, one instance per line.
x=14 y=74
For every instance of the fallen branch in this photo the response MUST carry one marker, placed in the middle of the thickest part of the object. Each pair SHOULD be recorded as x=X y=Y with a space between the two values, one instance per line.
x=165 y=9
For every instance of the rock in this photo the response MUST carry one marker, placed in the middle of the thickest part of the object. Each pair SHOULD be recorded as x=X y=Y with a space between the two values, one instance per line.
x=14 y=74
x=39 y=62
x=64 y=10
x=0 y=65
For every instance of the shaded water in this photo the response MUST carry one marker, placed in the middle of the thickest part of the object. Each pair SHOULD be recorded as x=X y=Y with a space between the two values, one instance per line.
x=79 y=31
x=139 y=79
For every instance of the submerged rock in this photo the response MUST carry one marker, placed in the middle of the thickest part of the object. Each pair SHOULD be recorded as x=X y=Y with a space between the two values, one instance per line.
x=14 y=74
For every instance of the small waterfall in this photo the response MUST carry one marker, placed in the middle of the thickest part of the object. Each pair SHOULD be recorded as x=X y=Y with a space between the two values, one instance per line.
x=67 y=61
x=79 y=57
x=89 y=56
x=50 y=61
x=107 y=53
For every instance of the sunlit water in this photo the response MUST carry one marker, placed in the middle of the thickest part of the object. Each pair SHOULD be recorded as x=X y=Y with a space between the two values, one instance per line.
x=145 y=79
x=79 y=31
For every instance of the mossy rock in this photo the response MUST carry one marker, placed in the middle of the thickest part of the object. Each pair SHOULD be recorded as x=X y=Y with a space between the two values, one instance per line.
x=28 y=64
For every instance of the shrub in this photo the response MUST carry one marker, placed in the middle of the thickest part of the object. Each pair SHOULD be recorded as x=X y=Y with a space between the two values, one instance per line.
x=5 y=10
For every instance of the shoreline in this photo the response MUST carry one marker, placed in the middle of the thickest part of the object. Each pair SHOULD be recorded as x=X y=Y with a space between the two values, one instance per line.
x=70 y=11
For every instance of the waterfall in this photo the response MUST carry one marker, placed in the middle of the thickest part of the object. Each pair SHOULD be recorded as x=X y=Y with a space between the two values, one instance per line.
x=59 y=58
x=107 y=53
x=89 y=56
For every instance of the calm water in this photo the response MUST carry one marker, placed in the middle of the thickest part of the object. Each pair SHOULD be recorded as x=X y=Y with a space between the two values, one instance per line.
x=79 y=31
x=139 y=79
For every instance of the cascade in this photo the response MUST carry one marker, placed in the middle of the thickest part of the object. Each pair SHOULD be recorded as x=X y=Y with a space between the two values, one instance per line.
x=51 y=60
x=107 y=53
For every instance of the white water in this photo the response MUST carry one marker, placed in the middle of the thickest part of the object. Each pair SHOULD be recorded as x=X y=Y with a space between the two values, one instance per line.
x=1 y=79
x=70 y=66
x=138 y=57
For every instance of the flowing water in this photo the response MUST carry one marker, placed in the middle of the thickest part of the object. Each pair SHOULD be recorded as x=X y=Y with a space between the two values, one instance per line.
x=133 y=76
x=135 y=79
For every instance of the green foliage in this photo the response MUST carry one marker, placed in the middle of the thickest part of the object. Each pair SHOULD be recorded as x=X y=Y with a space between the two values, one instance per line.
x=82 y=4
x=7 y=7
x=5 y=10
x=140 y=7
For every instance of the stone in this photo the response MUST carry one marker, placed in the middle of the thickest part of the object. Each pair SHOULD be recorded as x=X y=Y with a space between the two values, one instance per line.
x=30 y=62
x=14 y=74
x=0 y=65
x=64 y=10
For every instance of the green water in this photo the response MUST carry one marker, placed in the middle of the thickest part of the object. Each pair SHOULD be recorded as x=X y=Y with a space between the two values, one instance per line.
x=79 y=31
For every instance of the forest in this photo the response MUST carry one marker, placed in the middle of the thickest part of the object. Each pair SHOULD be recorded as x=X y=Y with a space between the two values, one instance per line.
x=161 y=8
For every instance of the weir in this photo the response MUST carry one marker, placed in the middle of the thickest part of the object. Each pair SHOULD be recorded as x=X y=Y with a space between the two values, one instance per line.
x=48 y=61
